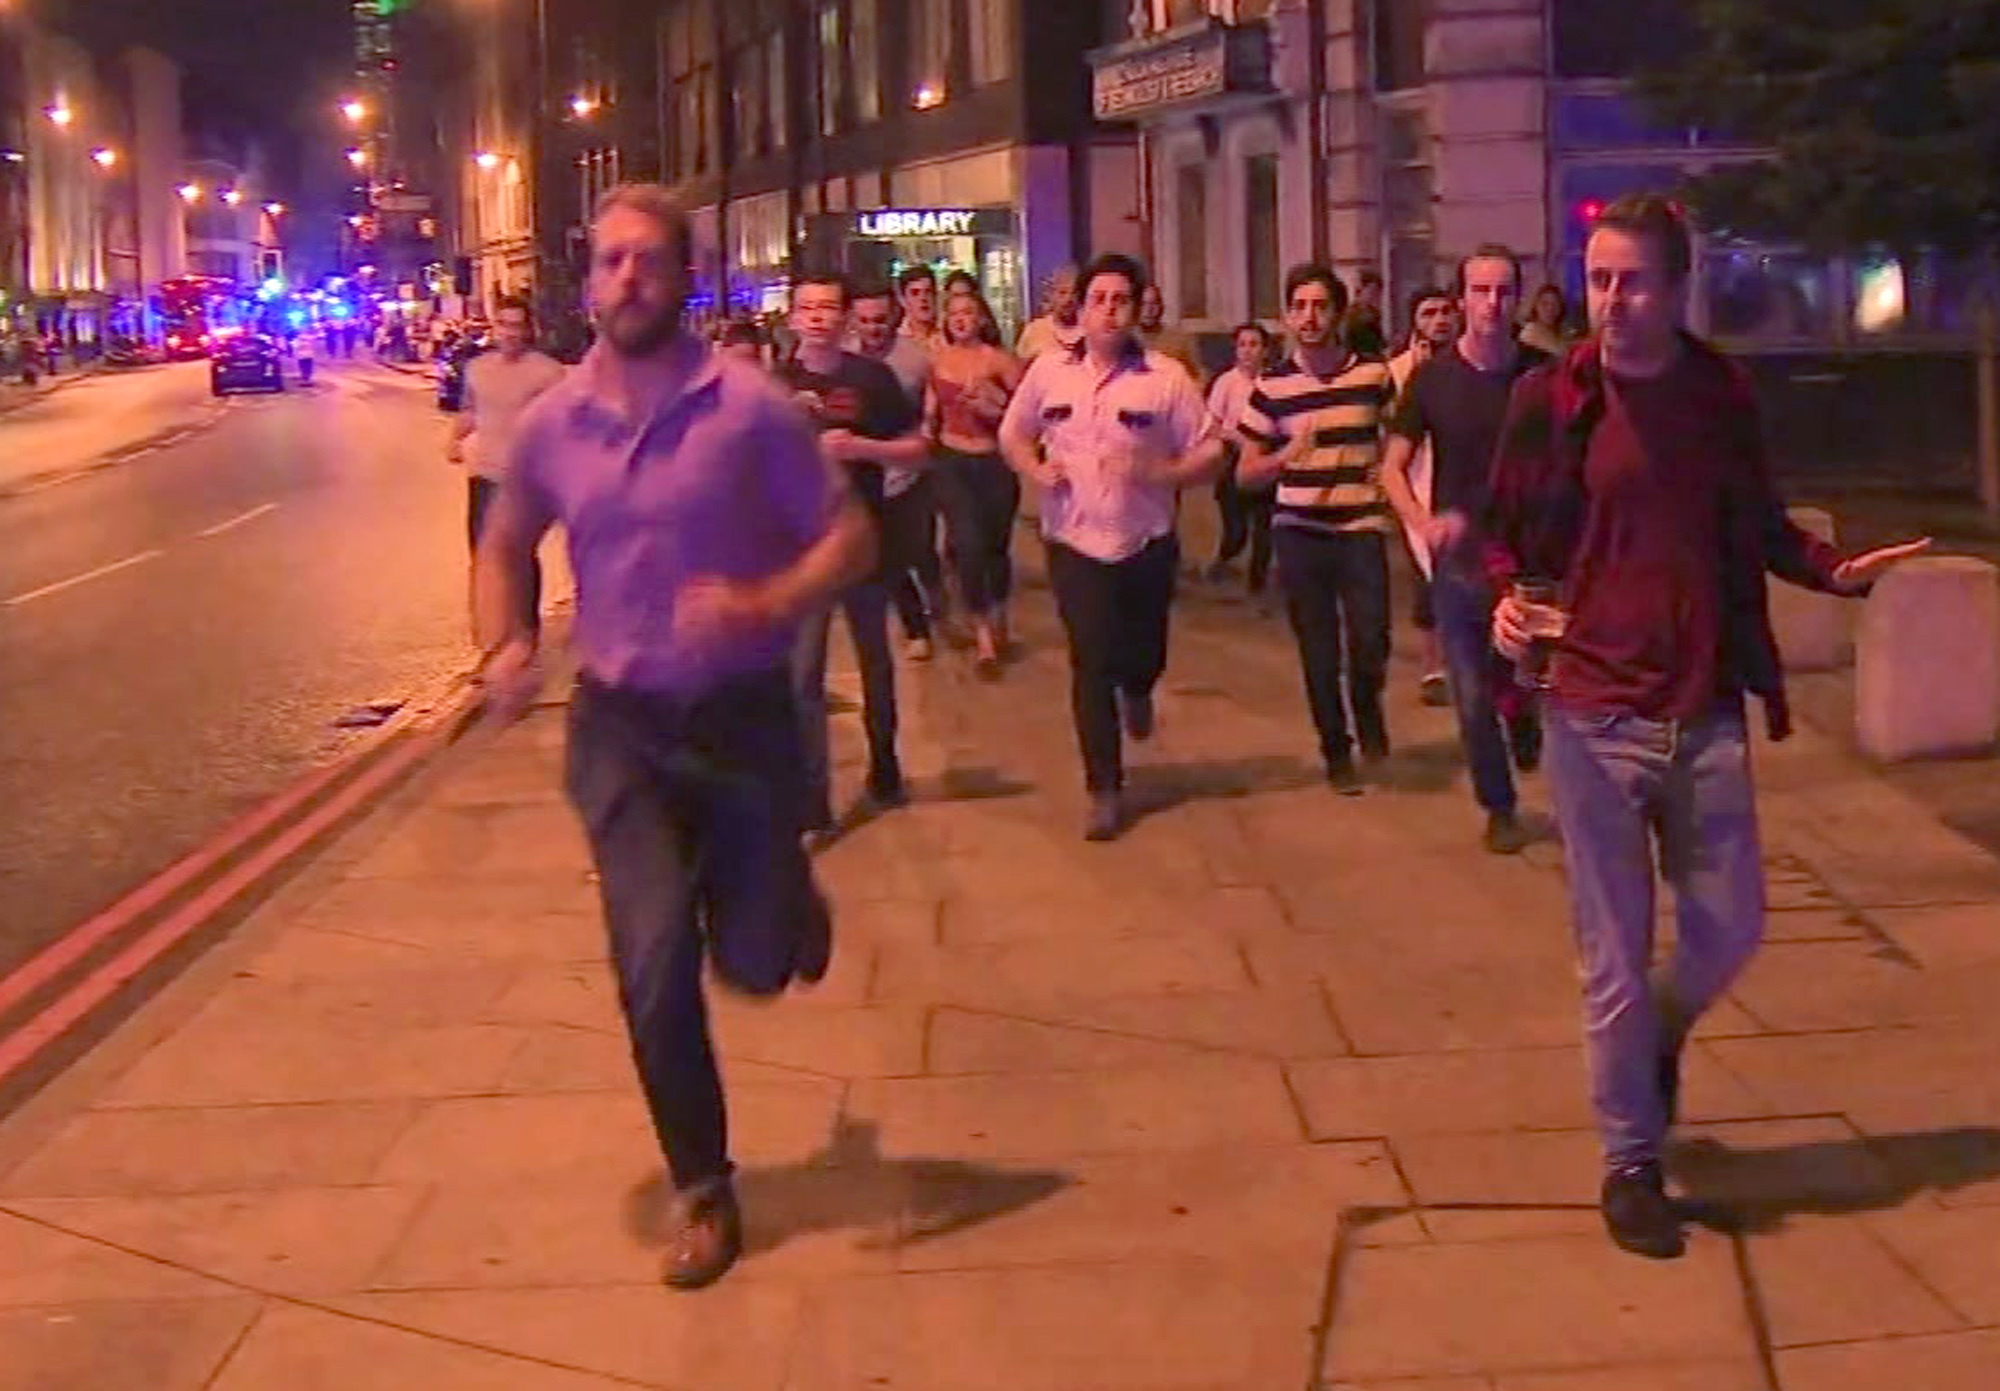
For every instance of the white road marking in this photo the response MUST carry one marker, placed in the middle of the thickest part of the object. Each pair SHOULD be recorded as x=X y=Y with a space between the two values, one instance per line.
x=237 y=521
x=141 y=558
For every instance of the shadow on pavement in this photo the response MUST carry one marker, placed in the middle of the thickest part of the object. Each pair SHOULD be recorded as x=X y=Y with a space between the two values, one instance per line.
x=1158 y=787
x=1752 y=1191
x=849 y=1185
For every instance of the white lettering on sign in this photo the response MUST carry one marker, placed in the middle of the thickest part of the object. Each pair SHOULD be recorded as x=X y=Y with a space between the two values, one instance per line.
x=929 y=223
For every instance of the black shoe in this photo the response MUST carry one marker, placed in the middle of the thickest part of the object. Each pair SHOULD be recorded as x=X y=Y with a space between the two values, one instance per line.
x=1107 y=817
x=1343 y=778
x=707 y=1236
x=1136 y=713
x=886 y=789
x=1434 y=690
x=1638 y=1214
x=1524 y=740
x=1505 y=835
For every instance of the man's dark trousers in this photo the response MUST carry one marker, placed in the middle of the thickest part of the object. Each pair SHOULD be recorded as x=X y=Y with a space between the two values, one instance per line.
x=1337 y=593
x=1116 y=617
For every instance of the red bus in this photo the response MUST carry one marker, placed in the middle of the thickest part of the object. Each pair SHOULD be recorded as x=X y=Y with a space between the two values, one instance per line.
x=192 y=306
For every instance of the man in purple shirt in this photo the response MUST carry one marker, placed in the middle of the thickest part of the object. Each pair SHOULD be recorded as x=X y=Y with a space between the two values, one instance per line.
x=703 y=527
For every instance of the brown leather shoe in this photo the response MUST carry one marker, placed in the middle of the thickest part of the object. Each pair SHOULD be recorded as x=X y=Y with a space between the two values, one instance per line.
x=705 y=1236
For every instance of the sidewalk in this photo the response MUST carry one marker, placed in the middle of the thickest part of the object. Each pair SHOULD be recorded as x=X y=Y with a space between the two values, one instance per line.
x=1281 y=1091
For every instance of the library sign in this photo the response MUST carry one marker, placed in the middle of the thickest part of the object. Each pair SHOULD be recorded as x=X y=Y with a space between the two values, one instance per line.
x=890 y=224
x=1182 y=68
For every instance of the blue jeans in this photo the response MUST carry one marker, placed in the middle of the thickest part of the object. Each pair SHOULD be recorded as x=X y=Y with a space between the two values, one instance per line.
x=1623 y=786
x=1463 y=608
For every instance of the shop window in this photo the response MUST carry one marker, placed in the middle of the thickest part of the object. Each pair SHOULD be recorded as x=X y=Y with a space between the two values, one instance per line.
x=992 y=35
x=1774 y=296
x=1191 y=239
x=865 y=41
x=1260 y=226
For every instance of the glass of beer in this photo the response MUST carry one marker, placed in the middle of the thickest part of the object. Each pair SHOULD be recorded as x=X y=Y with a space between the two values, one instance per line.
x=1546 y=622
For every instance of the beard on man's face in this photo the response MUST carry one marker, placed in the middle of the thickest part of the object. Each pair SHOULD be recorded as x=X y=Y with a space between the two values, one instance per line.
x=637 y=329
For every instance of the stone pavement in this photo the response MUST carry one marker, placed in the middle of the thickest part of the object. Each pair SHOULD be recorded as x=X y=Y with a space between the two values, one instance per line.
x=1281 y=1091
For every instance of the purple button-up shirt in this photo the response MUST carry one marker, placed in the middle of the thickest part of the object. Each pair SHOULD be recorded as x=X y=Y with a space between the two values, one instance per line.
x=724 y=480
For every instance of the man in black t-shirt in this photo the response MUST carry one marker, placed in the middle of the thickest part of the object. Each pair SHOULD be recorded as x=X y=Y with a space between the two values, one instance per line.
x=865 y=422
x=1457 y=401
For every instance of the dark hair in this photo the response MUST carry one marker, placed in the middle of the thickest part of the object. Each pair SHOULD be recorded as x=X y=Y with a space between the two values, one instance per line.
x=910 y=276
x=1313 y=273
x=961 y=277
x=1562 y=301
x=1487 y=251
x=1124 y=267
x=1419 y=297
x=502 y=303
x=1660 y=220
x=834 y=278
x=871 y=289
x=1250 y=326
x=1367 y=276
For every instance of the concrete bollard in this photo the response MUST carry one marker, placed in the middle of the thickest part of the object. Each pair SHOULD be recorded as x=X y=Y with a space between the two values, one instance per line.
x=1927 y=670
x=1812 y=628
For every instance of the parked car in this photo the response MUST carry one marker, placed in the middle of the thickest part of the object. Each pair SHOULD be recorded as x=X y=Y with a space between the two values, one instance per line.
x=451 y=369
x=246 y=360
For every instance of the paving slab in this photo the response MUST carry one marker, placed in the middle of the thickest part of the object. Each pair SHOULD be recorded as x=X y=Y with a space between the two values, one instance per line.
x=1875 y=1295
x=737 y=1335
x=1538 y=1304
x=120 y=1345
x=974 y=920
x=1023 y=972
x=1940 y=1362
x=42 y=1265
x=209 y=1149
x=1738 y=1375
x=300 y=1241
x=1955 y=1253
x=1064 y=1328
x=303 y=1349
x=1192 y=1105
x=1486 y=1187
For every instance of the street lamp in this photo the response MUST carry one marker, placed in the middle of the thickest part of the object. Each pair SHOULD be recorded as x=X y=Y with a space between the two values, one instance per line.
x=105 y=157
x=190 y=193
x=486 y=159
x=61 y=114
x=354 y=110
x=274 y=209
x=358 y=158
x=232 y=196
x=582 y=107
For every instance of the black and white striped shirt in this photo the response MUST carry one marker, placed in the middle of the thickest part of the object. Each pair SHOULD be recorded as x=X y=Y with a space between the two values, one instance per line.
x=1335 y=484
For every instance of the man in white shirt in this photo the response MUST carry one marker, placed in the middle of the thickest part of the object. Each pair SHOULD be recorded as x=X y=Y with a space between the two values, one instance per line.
x=1109 y=434
x=1058 y=327
x=499 y=387
x=1246 y=513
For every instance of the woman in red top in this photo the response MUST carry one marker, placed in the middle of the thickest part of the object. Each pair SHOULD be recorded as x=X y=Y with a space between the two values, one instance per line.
x=972 y=378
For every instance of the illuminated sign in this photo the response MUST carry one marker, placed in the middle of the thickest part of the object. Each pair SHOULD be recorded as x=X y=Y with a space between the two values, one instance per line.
x=926 y=222
x=1186 y=67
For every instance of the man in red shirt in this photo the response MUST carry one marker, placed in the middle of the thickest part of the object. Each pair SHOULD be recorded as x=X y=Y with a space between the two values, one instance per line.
x=1631 y=473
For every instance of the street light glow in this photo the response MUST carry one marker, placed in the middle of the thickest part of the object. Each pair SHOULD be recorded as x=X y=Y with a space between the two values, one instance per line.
x=274 y=209
x=581 y=106
x=190 y=193
x=355 y=111
x=61 y=114
x=357 y=157
x=105 y=157
x=486 y=159
x=232 y=196
x=355 y=219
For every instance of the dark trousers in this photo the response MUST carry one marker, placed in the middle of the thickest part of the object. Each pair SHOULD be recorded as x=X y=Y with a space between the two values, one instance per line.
x=981 y=496
x=479 y=498
x=1246 y=520
x=1337 y=593
x=1464 y=610
x=866 y=607
x=910 y=567
x=1116 y=619
x=692 y=810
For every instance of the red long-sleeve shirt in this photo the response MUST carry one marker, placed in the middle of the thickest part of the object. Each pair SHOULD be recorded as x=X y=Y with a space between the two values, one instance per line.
x=1651 y=503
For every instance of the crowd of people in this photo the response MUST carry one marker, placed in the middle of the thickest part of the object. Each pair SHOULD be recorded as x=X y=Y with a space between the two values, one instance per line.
x=1597 y=524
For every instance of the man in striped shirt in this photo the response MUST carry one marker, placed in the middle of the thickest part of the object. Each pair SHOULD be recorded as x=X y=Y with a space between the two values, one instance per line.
x=1315 y=424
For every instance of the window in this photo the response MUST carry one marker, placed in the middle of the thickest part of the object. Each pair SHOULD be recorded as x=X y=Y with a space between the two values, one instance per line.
x=1191 y=245
x=1771 y=295
x=832 y=69
x=930 y=70
x=1399 y=44
x=1260 y=213
x=864 y=22
x=992 y=42
x=777 y=85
